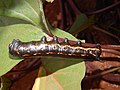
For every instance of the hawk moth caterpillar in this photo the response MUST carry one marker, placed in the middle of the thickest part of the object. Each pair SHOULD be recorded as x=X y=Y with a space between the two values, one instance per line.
x=52 y=48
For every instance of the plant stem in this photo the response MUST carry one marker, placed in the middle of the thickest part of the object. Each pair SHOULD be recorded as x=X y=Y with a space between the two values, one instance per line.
x=43 y=17
x=63 y=13
x=99 y=29
x=74 y=7
x=102 y=73
x=104 y=9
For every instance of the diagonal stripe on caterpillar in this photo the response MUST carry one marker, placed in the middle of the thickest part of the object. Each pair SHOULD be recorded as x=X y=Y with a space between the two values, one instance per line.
x=52 y=48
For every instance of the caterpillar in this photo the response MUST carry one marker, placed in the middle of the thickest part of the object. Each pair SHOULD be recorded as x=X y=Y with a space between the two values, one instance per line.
x=52 y=48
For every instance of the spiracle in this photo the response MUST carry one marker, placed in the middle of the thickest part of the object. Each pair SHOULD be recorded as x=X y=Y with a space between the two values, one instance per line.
x=52 y=48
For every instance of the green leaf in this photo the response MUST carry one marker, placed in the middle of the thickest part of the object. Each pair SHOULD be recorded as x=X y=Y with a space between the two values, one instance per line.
x=24 y=32
x=60 y=33
x=5 y=21
x=80 y=20
x=27 y=10
x=67 y=73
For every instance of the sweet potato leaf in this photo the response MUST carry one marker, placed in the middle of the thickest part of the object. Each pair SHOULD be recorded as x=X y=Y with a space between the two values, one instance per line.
x=24 y=32
x=68 y=74
x=26 y=10
x=27 y=22
x=80 y=20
